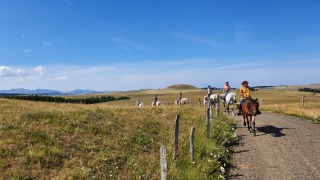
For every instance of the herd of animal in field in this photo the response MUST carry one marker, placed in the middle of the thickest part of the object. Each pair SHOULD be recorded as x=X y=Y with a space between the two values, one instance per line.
x=227 y=101
x=249 y=107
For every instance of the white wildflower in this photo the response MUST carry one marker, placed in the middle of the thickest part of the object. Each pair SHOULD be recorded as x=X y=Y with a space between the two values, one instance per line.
x=222 y=170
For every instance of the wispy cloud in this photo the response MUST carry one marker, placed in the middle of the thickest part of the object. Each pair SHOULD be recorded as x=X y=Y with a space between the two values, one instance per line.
x=46 y=43
x=11 y=72
x=61 y=78
x=197 y=39
x=159 y=74
x=27 y=51
x=130 y=45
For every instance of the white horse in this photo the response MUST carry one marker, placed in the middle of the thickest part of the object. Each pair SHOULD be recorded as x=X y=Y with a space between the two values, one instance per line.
x=158 y=103
x=230 y=100
x=183 y=101
x=140 y=105
x=214 y=99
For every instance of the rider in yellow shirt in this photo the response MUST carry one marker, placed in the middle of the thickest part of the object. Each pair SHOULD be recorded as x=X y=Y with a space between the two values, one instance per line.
x=245 y=91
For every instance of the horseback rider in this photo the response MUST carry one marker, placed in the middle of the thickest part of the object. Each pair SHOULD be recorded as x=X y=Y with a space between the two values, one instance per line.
x=155 y=100
x=179 y=99
x=209 y=92
x=138 y=102
x=245 y=93
x=226 y=90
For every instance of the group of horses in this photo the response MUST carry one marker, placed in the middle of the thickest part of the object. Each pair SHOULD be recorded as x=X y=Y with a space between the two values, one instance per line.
x=177 y=102
x=248 y=109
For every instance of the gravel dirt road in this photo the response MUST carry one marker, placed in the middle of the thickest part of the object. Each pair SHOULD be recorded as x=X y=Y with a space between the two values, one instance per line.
x=285 y=147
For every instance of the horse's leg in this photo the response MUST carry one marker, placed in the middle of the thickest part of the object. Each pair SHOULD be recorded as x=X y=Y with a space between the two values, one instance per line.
x=249 y=125
x=232 y=108
x=227 y=108
x=244 y=120
x=254 y=125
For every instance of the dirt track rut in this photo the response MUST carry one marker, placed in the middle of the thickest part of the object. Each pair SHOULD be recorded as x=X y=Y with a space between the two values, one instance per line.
x=285 y=148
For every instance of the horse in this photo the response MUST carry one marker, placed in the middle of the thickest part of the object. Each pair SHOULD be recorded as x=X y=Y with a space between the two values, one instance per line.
x=249 y=112
x=158 y=103
x=140 y=105
x=230 y=100
x=183 y=101
x=214 y=99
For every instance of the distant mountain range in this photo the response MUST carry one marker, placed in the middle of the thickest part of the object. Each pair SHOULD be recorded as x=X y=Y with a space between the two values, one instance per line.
x=48 y=92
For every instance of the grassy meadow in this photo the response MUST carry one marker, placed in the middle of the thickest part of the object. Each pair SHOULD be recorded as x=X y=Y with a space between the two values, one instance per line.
x=109 y=140
x=116 y=140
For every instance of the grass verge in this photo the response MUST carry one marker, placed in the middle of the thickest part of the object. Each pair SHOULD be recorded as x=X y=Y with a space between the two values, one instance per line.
x=71 y=141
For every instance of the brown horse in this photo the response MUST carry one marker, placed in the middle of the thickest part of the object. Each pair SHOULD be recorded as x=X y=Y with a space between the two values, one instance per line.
x=249 y=112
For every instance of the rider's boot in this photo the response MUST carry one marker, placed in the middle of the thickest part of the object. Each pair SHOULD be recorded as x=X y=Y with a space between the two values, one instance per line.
x=239 y=110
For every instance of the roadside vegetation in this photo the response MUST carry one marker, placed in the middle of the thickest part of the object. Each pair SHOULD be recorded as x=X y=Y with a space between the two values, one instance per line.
x=102 y=141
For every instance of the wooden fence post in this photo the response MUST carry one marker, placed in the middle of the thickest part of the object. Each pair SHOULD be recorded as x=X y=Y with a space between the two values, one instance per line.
x=163 y=162
x=302 y=101
x=199 y=103
x=211 y=112
x=192 y=143
x=260 y=102
x=176 y=137
x=217 y=109
x=208 y=123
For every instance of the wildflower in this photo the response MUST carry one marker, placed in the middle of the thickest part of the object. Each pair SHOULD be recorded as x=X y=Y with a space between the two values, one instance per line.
x=222 y=170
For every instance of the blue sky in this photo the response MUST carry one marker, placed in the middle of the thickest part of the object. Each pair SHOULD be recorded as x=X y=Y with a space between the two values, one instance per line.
x=126 y=44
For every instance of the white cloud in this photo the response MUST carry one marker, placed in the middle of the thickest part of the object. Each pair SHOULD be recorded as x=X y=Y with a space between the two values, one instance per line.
x=11 y=72
x=159 y=74
x=27 y=51
x=39 y=69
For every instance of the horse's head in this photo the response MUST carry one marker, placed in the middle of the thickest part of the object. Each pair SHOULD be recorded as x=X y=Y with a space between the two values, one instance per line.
x=251 y=106
x=234 y=97
x=254 y=106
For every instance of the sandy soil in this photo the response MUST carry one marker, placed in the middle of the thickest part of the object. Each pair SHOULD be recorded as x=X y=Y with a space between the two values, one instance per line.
x=285 y=148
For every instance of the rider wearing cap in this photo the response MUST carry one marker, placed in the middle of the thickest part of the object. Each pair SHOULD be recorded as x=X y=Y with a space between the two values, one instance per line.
x=245 y=91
